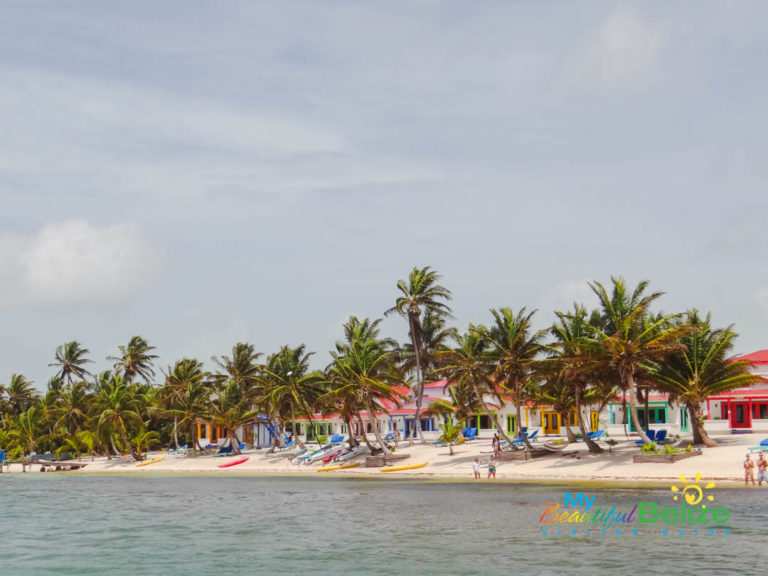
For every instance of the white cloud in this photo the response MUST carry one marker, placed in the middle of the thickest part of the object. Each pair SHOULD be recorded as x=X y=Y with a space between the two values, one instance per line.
x=74 y=261
x=762 y=298
x=624 y=49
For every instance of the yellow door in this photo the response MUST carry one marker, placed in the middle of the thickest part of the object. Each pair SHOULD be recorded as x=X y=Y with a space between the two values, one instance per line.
x=551 y=422
x=594 y=421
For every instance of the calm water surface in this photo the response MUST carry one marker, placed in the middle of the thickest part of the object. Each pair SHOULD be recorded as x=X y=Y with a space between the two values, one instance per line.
x=59 y=524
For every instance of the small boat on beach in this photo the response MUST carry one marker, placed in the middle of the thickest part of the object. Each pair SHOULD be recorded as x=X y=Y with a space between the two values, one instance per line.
x=404 y=467
x=148 y=462
x=350 y=453
x=234 y=462
x=339 y=467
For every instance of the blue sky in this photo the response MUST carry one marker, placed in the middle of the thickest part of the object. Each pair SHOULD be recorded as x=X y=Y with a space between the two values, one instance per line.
x=205 y=173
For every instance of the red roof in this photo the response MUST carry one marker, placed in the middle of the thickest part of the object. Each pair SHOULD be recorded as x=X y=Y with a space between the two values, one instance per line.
x=759 y=357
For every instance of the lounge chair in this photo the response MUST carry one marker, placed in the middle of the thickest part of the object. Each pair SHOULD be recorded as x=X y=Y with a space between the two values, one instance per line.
x=290 y=444
x=661 y=436
x=596 y=435
x=762 y=447
x=337 y=439
x=532 y=436
x=469 y=433
x=225 y=450
x=651 y=436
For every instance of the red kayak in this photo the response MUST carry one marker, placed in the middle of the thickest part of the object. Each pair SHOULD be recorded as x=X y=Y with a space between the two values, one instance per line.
x=234 y=462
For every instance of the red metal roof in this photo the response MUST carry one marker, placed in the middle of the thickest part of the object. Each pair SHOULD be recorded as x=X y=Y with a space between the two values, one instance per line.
x=759 y=357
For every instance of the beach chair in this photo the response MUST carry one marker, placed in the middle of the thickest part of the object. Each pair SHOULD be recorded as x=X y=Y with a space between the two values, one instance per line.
x=661 y=436
x=532 y=436
x=225 y=450
x=337 y=439
x=470 y=433
x=290 y=444
x=596 y=435
x=651 y=436
x=762 y=447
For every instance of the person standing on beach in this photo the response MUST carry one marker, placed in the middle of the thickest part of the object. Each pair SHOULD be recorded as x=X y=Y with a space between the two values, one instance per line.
x=762 y=469
x=492 y=468
x=396 y=434
x=749 y=470
x=496 y=444
x=476 y=468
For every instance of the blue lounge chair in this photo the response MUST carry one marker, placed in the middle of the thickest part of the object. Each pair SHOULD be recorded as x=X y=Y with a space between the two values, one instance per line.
x=596 y=435
x=290 y=444
x=337 y=439
x=762 y=447
x=651 y=436
x=532 y=436
x=661 y=436
x=470 y=433
x=225 y=450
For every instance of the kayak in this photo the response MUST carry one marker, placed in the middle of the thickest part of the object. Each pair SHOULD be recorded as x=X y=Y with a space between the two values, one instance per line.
x=405 y=467
x=234 y=462
x=148 y=462
x=339 y=467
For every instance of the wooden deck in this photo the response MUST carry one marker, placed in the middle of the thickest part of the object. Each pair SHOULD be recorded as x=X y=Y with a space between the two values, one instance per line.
x=45 y=465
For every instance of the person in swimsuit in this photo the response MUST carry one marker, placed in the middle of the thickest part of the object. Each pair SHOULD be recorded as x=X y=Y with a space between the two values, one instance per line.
x=492 y=469
x=476 y=468
x=762 y=469
x=749 y=470
x=496 y=444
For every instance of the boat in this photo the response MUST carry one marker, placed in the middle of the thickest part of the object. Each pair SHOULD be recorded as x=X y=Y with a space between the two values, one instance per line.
x=404 y=467
x=148 y=462
x=339 y=467
x=333 y=454
x=234 y=462
x=350 y=453
x=320 y=454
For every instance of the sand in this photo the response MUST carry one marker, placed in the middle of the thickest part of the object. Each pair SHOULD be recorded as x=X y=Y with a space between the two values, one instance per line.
x=722 y=464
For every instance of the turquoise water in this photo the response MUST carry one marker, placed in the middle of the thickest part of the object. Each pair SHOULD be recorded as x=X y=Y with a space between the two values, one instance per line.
x=126 y=525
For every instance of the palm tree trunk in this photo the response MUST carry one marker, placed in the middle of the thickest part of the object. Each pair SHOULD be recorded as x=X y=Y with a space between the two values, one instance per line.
x=700 y=435
x=631 y=387
x=591 y=444
x=376 y=432
x=491 y=415
x=233 y=441
x=413 y=320
x=624 y=411
x=371 y=447
x=175 y=431
x=352 y=440
x=568 y=432
x=519 y=417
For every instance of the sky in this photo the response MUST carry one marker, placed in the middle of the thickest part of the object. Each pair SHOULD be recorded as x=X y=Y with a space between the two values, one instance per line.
x=204 y=173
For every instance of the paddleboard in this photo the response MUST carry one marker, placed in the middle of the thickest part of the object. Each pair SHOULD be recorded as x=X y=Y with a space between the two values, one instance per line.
x=405 y=467
x=148 y=462
x=339 y=467
x=234 y=462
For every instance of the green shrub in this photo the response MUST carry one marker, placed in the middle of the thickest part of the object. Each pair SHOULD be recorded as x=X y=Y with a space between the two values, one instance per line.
x=649 y=448
x=689 y=448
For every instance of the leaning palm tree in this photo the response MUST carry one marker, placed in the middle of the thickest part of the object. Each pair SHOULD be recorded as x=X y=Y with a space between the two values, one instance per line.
x=514 y=346
x=135 y=359
x=630 y=338
x=71 y=359
x=420 y=294
x=701 y=369
x=185 y=395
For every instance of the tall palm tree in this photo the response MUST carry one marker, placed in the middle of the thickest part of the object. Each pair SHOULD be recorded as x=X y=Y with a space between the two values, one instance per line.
x=185 y=394
x=420 y=294
x=135 y=359
x=241 y=369
x=229 y=409
x=436 y=337
x=71 y=359
x=628 y=340
x=119 y=410
x=73 y=406
x=514 y=346
x=701 y=368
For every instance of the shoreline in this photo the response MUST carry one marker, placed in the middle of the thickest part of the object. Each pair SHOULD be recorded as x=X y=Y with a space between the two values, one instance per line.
x=574 y=466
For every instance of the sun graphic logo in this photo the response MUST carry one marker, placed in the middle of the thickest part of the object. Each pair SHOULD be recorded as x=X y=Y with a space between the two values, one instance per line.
x=693 y=493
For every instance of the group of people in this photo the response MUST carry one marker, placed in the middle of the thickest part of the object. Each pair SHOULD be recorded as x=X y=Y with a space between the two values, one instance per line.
x=496 y=445
x=749 y=470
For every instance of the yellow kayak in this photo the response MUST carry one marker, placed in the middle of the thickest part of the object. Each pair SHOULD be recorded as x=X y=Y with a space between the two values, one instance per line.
x=148 y=462
x=339 y=467
x=406 y=467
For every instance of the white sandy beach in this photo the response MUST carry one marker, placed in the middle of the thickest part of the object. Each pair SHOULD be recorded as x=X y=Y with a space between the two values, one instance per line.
x=723 y=464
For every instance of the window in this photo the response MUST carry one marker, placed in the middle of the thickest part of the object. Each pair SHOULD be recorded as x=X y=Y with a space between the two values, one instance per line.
x=214 y=434
x=510 y=423
x=202 y=431
x=760 y=411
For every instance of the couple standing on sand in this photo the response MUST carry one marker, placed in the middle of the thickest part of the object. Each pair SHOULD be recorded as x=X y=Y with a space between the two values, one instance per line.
x=749 y=470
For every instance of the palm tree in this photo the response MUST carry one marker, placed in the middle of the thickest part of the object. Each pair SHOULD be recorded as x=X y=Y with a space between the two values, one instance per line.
x=119 y=410
x=701 y=369
x=628 y=340
x=291 y=387
x=72 y=408
x=185 y=394
x=363 y=377
x=241 y=368
x=467 y=365
x=436 y=336
x=21 y=395
x=135 y=360
x=71 y=360
x=229 y=409
x=420 y=294
x=514 y=348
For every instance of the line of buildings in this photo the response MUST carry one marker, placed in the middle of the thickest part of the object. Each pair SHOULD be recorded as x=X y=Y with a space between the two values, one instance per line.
x=741 y=409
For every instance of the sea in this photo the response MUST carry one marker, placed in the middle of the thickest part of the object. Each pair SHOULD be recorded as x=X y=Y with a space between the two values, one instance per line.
x=226 y=524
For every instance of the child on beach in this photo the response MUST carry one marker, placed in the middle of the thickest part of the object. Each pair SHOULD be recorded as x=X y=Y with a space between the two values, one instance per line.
x=476 y=468
x=749 y=470
x=492 y=469
x=762 y=469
